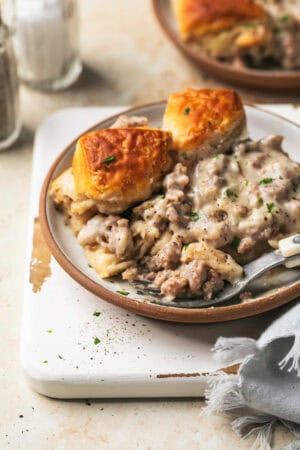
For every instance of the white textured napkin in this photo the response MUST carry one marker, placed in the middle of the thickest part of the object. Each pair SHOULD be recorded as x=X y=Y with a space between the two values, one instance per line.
x=266 y=389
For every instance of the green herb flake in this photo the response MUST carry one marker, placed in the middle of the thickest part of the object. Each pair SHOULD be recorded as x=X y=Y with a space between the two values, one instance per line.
x=216 y=155
x=96 y=340
x=235 y=242
x=163 y=196
x=270 y=207
x=49 y=331
x=266 y=181
x=285 y=18
x=246 y=182
x=60 y=357
x=123 y=293
x=90 y=266
x=185 y=247
x=250 y=25
x=96 y=313
x=186 y=111
x=45 y=362
x=110 y=159
x=231 y=194
x=194 y=216
x=260 y=201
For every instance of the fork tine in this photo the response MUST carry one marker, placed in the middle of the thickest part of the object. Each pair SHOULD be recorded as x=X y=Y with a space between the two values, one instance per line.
x=142 y=282
x=192 y=303
x=145 y=288
x=145 y=285
x=146 y=291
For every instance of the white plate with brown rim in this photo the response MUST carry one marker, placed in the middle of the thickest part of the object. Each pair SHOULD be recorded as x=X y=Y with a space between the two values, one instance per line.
x=270 y=291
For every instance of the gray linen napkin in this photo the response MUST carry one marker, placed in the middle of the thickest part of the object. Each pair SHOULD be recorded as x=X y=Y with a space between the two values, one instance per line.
x=266 y=389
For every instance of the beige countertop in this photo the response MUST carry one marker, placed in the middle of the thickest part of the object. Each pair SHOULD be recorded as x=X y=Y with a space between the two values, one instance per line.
x=127 y=60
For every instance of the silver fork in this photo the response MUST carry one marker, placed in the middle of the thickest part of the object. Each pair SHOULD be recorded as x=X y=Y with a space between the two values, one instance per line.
x=288 y=254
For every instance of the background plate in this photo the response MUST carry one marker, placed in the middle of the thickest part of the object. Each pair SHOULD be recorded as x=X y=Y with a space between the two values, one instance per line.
x=69 y=254
x=275 y=79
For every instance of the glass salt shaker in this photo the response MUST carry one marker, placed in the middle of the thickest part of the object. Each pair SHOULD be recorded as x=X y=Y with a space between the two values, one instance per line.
x=10 y=123
x=46 y=42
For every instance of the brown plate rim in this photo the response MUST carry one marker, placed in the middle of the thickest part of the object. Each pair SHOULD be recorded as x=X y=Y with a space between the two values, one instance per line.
x=166 y=313
x=274 y=79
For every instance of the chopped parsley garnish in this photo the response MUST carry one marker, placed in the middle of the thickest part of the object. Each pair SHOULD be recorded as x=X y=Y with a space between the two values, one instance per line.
x=96 y=340
x=266 y=181
x=49 y=331
x=163 y=196
x=285 y=18
x=246 y=182
x=45 y=361
x=231 y=194
x=186 y=111
x=96 y=313
x=235 y=242
x=60 y=357
x=216 y=155
x=185 y=247
x=295 y=186
x=260 y=201
x=250 y=25
x=194 y=216
x=110 y=159
x=270 y=207
x=123 y=292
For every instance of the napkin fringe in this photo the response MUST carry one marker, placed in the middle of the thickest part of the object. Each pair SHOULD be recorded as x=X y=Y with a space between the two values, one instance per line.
x=261 y=427
x=229 y=351
x=292 y=360
x=224 y=395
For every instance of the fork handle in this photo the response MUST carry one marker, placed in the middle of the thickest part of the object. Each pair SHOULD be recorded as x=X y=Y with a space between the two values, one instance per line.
x=290 y=247
x=288 y=254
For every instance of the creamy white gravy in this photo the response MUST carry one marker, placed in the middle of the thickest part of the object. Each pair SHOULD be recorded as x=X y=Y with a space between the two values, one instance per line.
x=246 y=197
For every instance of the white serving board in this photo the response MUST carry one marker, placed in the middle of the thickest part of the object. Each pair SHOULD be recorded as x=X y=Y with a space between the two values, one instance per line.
x=137 y=357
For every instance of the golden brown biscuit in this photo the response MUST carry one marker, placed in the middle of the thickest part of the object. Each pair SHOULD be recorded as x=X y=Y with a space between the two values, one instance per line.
x=199 y=17
x=204 y=121
x=120 y=167
x=77 y=208
x=62 y=190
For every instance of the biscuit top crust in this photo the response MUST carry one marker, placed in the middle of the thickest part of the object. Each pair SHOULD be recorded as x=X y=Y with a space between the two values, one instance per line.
x=195 y=116
x=120 y=165
x=198 y=17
